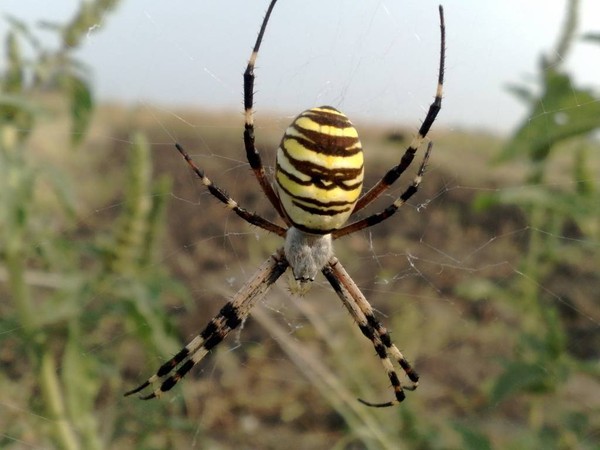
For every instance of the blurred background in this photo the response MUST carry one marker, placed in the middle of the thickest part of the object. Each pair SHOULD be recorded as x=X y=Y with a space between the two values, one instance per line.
x=113 y=256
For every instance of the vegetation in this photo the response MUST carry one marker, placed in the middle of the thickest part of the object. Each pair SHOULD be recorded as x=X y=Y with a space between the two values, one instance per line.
x=63 y=276
x=107 y=267
x=563 y=233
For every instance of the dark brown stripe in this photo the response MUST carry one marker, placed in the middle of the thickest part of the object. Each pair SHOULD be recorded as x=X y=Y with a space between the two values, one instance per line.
x=310 y=230
x=173 y=379
x=321 y=182
x=323 y=143
x=318 y=172
x=170 y=364
x=394 y=379
x=327 y=118
x=318 y=211
x=316 y=202
x=231 y=315
x=380 y=350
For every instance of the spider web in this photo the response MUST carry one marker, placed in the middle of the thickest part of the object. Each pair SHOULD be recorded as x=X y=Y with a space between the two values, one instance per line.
x=452 y=282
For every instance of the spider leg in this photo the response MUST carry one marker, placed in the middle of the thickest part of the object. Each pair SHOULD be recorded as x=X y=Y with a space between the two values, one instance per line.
x=390 y=210
x=231 y=315
x=394 y=173
x=252 y=153
x=252 y=218
x=362 y=312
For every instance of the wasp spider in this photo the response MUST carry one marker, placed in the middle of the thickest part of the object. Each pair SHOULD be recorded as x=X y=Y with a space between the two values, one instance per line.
x=318 y=178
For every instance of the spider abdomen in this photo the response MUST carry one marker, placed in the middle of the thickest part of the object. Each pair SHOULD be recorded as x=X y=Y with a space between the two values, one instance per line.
x=319 y=170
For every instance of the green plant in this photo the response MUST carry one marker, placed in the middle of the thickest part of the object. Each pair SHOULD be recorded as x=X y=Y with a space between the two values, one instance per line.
x=558 y=131
x=64 y=285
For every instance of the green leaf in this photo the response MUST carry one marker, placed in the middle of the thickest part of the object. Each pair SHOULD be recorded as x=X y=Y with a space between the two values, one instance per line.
x=521 y=92
x=23 y=30
x=81 y=384
x=13 y=78
x=82 y=105
x=582 y=175
x=473 y=440
x=519 y=377
x=18 y=111
x=84 y=21
x=563 y=111
x=478 y=289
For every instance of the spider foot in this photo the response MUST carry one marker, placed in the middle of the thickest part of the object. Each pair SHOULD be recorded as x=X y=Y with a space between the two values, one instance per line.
x=149 y=382
x=378 y=405
x=154 y=394
x=142 y=386
x=400 y=396
x=411 y=387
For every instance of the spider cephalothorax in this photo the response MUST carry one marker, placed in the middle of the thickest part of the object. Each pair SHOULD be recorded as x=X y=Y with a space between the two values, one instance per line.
x=319 y=176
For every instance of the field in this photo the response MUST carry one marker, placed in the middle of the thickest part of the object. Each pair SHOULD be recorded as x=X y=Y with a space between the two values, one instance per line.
x=129 y=258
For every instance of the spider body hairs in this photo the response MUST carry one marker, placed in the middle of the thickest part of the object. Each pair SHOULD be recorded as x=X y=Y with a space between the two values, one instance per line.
x=319 y=179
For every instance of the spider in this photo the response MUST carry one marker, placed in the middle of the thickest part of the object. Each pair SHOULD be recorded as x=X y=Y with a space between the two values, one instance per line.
x=318 y=178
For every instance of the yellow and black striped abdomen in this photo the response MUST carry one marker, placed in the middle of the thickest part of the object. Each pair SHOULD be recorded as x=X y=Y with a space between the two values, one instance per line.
x=319 y=170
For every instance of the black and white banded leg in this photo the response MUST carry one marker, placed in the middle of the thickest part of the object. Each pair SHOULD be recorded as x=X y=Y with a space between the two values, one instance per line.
x=395 y=172
x=229 y=318
x=252 y=218
x=252 y=153
x=374 y=219
x=362 y=312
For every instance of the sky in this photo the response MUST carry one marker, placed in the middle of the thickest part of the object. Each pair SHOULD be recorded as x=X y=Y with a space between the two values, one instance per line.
x=373 y=59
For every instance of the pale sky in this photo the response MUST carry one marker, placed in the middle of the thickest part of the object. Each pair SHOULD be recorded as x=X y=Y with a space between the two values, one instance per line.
x=373 y=59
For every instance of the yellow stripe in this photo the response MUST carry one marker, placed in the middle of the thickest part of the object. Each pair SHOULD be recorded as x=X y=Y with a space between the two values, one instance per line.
x=319 y=169
x=300 y=153
x=321 y=195
x=309 y=124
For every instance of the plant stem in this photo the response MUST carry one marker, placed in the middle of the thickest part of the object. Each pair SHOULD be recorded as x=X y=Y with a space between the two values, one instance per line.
x=38 y=353
x=53 y=398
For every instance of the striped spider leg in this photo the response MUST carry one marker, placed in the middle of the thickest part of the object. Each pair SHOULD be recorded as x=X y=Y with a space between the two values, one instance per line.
x=251 y=218
x=395 y=172
x=252 y=153
x=362 y=312
x=229 y=317
x=376 y=218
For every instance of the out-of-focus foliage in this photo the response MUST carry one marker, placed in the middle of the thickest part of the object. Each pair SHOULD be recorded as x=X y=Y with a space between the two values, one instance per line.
x=562 y=111
x=62 y=284
x=563 y=232
x=42 y=70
